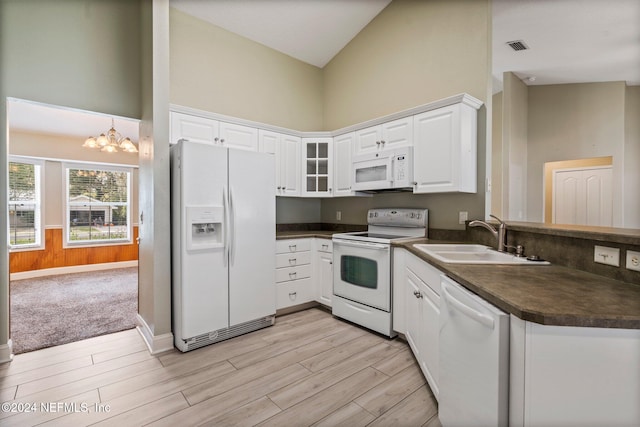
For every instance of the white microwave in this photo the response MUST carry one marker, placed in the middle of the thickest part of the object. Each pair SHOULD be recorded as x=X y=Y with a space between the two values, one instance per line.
x=383 y=170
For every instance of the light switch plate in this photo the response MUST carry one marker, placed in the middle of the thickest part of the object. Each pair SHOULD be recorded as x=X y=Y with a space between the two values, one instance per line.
x=633 y=260
x=606 y=255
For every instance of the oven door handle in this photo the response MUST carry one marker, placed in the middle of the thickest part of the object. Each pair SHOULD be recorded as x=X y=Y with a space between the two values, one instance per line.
x=364 y=245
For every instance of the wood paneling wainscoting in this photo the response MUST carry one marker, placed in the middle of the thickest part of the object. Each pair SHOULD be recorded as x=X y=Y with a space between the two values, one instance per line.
x=54 y=255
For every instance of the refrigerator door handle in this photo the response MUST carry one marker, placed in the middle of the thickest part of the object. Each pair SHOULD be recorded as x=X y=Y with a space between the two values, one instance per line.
x=232 y=227
x=225 y=230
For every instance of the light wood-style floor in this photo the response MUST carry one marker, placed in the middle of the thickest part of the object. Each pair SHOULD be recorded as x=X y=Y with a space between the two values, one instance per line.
x=308 y=369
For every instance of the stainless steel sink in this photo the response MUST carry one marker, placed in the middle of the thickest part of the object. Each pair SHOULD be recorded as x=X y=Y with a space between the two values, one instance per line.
x=472 y=254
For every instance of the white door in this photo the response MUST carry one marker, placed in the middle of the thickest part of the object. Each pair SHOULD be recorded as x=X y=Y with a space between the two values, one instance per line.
x=397 y=133
x=204 y=277
x=325 y=277
x=252 y=211
x=193 y=128
x=342 y=170
x=413 y=313
x=583 y=197
x=436 y=150
x=368 y=140
x=289 y=156
x=238 y=136
x=268 y=143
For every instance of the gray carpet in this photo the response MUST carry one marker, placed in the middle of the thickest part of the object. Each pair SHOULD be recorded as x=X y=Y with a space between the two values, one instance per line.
x=54 y=310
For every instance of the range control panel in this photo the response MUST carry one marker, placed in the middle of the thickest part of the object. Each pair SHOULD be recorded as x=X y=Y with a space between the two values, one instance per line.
x=400 y=217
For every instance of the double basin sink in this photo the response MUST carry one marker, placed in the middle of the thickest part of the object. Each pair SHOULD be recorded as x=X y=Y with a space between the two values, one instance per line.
x=473 y=254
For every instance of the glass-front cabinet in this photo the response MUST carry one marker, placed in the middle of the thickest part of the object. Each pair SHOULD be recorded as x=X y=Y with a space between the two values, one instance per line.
x=317 y=164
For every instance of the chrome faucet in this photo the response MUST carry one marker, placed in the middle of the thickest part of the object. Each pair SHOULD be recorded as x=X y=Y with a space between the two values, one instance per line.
x=499 y=234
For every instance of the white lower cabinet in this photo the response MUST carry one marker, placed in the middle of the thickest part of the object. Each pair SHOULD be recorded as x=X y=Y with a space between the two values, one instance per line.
x=561 y=375
x=294 y=284
x=323 y=272
x=422 y=308
x=304 y=271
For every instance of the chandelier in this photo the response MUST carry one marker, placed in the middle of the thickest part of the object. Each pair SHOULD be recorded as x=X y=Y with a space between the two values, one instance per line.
x=112 y=142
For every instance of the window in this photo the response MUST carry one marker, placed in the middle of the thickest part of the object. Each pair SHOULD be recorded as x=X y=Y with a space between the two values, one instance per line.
x=25 y=203
x=97 y=205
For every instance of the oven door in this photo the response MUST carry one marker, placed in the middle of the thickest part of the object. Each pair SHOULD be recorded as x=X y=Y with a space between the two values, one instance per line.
x=362 y=272
x=372 y=172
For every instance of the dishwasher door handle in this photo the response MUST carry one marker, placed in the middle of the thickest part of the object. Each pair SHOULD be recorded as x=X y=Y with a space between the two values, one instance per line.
x=465 y=309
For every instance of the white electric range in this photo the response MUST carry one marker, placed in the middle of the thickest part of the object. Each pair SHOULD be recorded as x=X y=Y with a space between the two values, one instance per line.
x=362 y=266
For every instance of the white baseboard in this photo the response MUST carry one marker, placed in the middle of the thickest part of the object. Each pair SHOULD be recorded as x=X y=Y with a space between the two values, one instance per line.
x=72 y=269
x=6 y=352
x=155 y=343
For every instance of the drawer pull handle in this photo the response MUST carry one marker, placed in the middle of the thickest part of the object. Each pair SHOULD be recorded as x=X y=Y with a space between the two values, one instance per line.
x=293 y=261
x=325 y=246
x=292 y=275
x=292 y=248
x=293 y=295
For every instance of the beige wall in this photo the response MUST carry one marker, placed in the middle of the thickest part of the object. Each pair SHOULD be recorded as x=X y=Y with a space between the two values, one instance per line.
x=215 y=70
x=413 y=52
x=52 y=147
x=631 y=191
x=574 y=121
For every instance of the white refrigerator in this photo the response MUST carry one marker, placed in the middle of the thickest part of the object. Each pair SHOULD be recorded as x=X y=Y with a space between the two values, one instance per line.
x=223 y=243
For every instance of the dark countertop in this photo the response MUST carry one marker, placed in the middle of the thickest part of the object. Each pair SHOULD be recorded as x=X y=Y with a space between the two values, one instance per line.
x=323 y=234
x=547 y=294
x=544 y=294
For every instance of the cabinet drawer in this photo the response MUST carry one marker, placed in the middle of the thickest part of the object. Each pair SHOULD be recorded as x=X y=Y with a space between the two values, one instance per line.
x=292 y=245
x=324 y=245
x=294 y=293
x=427 y=273
x=293 y=273
x=293 y=259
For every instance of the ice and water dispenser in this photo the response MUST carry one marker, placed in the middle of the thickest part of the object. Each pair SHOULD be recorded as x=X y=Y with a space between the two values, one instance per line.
x=205 y=227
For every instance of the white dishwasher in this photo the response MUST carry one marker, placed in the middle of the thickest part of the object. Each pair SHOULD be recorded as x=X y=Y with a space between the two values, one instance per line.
x=474 y=359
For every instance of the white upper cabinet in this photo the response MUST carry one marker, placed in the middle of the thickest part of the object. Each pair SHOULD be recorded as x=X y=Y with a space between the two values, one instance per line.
x=286 y=148
x=193 y=128
x=396 y=133
x=342 y=149
x=237 y=136
x=317 y=166
x=444 y=150
x=203 y=129
x=289 y=155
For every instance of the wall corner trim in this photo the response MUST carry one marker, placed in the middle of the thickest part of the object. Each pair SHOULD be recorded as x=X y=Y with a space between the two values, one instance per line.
x=155 y=344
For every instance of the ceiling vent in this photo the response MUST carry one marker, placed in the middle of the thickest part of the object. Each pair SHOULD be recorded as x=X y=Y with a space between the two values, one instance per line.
x=518 y=45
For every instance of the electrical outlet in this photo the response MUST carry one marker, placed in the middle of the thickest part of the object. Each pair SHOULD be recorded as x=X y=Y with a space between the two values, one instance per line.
x=606 y=255
x=462 y=217
x=338 y=215
x=633 y=260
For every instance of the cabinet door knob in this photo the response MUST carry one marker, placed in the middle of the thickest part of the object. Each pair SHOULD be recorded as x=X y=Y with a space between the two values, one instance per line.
x=216 y=139
x=279 y=187
x=222 y=141
x=330 y=189
x=415 y=183
x=377 y=142
x=382 y=142
x=284 y=188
